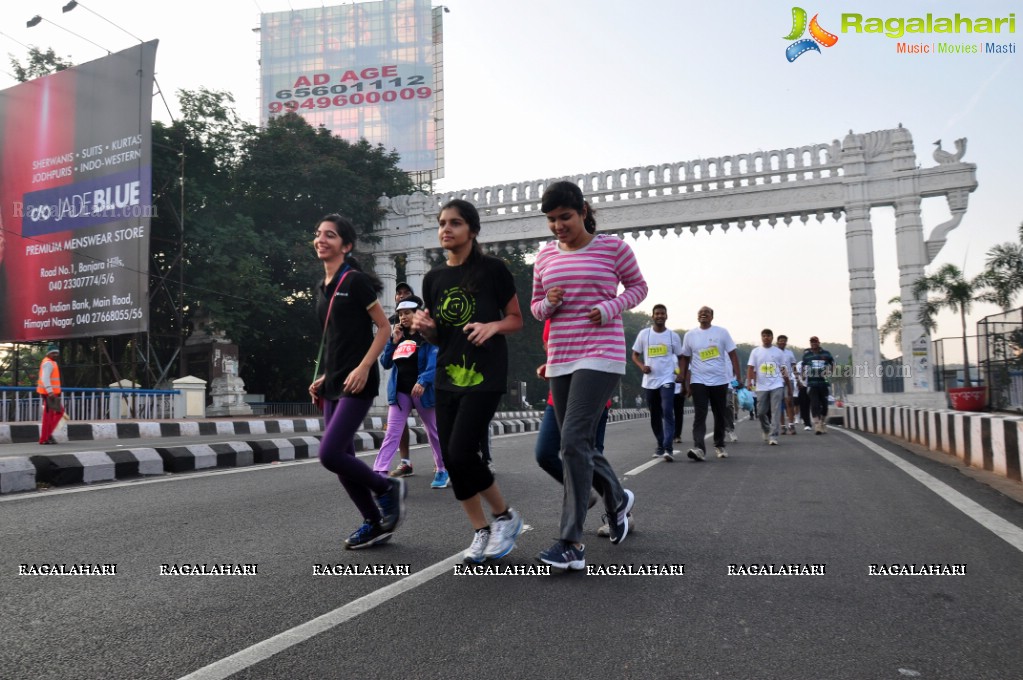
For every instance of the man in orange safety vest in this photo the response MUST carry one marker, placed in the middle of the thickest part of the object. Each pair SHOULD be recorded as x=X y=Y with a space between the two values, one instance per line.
x=48 y=387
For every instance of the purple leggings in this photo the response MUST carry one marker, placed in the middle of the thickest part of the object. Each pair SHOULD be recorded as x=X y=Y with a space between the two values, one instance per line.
x=397 y=416
x=342 y=419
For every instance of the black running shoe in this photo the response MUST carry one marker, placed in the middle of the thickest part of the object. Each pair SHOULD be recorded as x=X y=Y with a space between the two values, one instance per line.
x=392 y=505
x=369 y=534
x=618 y=523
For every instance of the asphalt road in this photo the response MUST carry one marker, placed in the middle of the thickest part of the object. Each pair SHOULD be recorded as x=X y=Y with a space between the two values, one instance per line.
x=811 y=501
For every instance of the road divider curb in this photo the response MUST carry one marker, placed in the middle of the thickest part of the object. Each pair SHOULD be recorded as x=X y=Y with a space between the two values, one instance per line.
x=25 y=473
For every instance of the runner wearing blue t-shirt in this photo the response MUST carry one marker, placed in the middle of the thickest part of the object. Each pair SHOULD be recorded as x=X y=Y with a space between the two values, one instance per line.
x=818 y=365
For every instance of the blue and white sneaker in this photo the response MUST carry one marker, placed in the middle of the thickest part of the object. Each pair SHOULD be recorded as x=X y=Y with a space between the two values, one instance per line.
x=441 y=480
x=474 y=553
x=564 y=556
x=392 y=505
x=503 y=532
x=618 y=522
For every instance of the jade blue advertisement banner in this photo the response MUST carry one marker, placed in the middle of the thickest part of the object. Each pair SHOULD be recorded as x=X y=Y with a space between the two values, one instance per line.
x=76 y=200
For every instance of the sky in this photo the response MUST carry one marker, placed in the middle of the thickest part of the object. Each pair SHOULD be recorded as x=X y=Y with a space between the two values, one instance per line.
x=540 y=89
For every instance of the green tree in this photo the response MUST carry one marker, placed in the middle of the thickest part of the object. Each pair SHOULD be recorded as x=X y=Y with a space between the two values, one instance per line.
x=893 y=323
x=288 y=176
x=20 y=360
x=200 y=235
x=39 y=64
x=251 y=198
x=1004 y=272
x=948 y=288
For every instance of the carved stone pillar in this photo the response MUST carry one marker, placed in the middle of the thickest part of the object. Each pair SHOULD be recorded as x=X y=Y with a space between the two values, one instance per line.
x=416 y=267
x=912 y=256
x=383 y=265
x=866 y=344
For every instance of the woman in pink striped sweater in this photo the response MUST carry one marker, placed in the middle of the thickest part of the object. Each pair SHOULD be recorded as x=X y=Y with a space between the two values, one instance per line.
x=575 y=285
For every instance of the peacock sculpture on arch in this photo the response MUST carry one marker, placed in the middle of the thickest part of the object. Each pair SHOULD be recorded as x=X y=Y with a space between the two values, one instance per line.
x=945 y=158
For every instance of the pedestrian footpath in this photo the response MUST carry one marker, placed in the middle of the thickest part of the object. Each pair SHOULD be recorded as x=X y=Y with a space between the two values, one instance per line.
x=148 y=448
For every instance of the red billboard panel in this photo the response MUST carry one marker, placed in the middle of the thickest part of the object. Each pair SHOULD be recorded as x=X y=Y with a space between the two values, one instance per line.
x=76 y=200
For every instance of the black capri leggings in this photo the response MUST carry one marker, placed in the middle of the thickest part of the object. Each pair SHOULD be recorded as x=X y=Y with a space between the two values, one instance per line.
x=462 y=422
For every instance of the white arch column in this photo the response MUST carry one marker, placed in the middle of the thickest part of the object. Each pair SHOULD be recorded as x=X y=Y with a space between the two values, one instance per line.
x=384 y=267
x=866 y=345
x=912 y=257
x=416 y=267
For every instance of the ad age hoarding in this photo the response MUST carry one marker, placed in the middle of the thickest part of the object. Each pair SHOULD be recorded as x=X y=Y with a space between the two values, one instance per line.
x=76 y=200
x=361 y=70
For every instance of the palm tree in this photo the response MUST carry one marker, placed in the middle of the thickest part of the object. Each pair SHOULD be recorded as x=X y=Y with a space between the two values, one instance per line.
x=1005 y=271
x=955 y=293
x=893 y=324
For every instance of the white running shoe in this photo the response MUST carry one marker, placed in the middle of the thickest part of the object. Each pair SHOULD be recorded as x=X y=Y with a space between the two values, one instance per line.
x=772 y=442
x=732 y=437
x=721 y=452
x=503 y=533
x=605 y=530
x=474 y=553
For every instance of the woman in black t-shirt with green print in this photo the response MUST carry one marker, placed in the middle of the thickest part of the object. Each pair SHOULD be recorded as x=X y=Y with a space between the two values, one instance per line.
x=470 y=306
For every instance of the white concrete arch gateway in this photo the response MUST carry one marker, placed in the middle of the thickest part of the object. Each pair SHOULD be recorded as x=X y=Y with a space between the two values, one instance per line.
x=816 y=181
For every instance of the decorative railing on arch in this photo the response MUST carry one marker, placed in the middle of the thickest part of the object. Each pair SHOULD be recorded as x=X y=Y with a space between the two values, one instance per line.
x=802 y=164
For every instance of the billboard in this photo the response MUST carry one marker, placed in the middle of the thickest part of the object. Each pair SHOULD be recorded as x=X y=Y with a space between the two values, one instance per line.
x=360 y=70
x=75 y=200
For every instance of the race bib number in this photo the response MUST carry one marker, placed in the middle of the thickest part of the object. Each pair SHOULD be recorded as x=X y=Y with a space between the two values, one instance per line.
x=405 y=350
x=769 y=370
x=657 y=351
x=709 y=353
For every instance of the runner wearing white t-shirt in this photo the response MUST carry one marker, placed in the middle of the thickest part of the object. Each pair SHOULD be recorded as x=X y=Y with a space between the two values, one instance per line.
x=656 y=353
x=707 y=352
x=767 y=376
